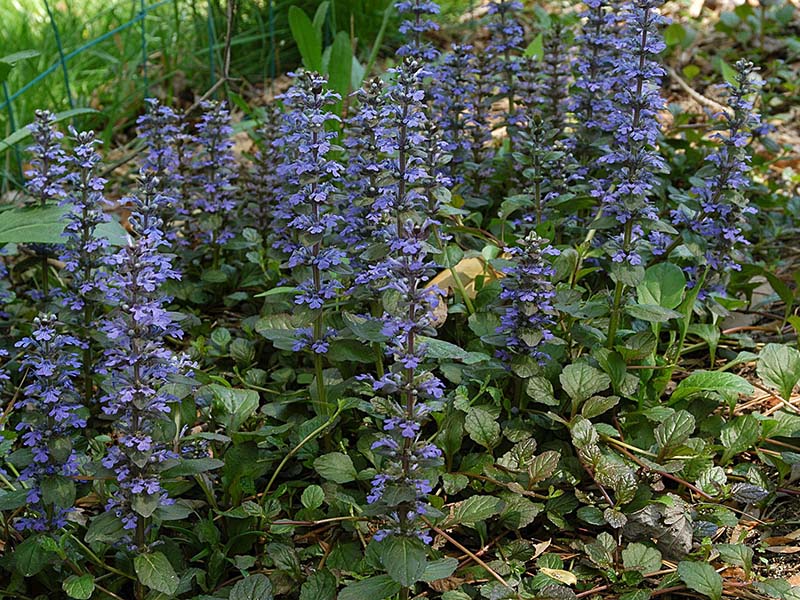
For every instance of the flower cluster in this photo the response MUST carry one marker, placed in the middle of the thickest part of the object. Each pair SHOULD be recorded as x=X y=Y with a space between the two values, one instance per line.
x=311 y=177
x=416 y=27
x=411 y=202
x=505 y=45
x=213 y=200
x=46 y=176
x=632 y=157
x=54 y=414
x=529 y=291
x=721 y=205
x=261 y=181
x=138 y=364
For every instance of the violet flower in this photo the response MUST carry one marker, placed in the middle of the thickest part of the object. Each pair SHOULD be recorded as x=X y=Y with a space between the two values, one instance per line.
x=506 y=39
x=261 y=181
x=138 y=364
x=54 y=415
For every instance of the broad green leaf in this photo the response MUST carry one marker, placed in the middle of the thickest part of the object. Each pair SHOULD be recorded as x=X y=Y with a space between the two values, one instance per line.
x=308 y=39
x=58 y=490
x=675 y=430
x=30 y=557
x=41 y=225
x=639 y=557
x=482 y=427
x=702 y=578
x=156 y=572
x=652 y=313
x=597 y=405
x=80 y=587
x=237 y=405
x=779 y=367
x=439 y=569
x=536 y=48
x=193 y=466
x=13 y=500
x=474 y=510
x=711 y=381
x=663 y=285
x=105 y=528
x=404 y=559
x=439 y=349
x=312 y=497
x=320 y=585
x=379 y=587
x=336 y=466
x=544 y=465
x=252 y=587
x=583 y=433
x=738 y=555
x=739 y=435
x=581 y=381
x=541 y=390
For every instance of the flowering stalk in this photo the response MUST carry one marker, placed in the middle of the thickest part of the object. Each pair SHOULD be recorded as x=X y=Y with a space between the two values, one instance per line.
x=138 y=365
x=479 y=169
x=506 y=40
x=161 y=128
x=633 y=156
x=310 y=212
x=213 y=202
x=416 y=27
x=52 y=363
x=262 y=182
x=403 y=273
x=721 y=206
x=46 y=177
x=85 y=251
x=528 y=288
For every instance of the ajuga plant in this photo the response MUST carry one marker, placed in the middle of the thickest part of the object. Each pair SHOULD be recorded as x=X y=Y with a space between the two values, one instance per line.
x=632 y=156
x=161 y=130
x=138 y=365
x=261 y=178
x=314 y=249
x=213 y=203
x=504 y=48
x=85 y=251
x=53 y=418
x=46 y=176
x=400 y=490
x=715 y=217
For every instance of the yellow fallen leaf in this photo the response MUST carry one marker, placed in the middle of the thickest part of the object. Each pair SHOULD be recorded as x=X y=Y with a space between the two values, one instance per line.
x=564 y=577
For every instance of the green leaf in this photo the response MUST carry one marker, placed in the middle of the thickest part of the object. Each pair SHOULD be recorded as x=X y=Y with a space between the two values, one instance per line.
x=738 y=555
x=79 y=587
x=675 y=430
x=728 y=72
x=41 y=225
x=541 y=390
x=341 y=64
x=702 y=578
x=156 y=572
x=320 y=585
x=439 y=349
x=652 y=313
x=13 y=500
x=404 y=559
x=674 y=34
x=638 y=557
x=474 y=510
x=711 y=381
x=597 y=405
x=544 y=465
x=193 y=466
x=439 y=569
x=236 y=404
x=536 y=48
x=312 y=497
x=379 y=587
x=336 y=466
x=105 y=528
x=30 y=557
x=581 y=381
x=252 y=587
x=663 y=285
x=482 y=427
x=779 y=367
x=308 y=39
x=584 y=433
x=739 y=435
x=58 y=490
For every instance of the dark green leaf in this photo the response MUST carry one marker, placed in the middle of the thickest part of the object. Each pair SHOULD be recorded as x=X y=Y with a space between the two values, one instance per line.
x=482 y=427
x=639 y=557
x=379 y=587
x=439 y=569
x=308 y=40
x=79 y=587
x=702 y=578
x=156 y=572
x=663 y=285
x=252 y=587
x=711 y=381
x=779 y=367
x=675 y=429
x=404 y=559
x=321 y=585
x=336 y=466
x=581 y=381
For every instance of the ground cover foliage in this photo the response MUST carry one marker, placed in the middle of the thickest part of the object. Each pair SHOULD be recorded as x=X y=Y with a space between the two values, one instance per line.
x=458 y=334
